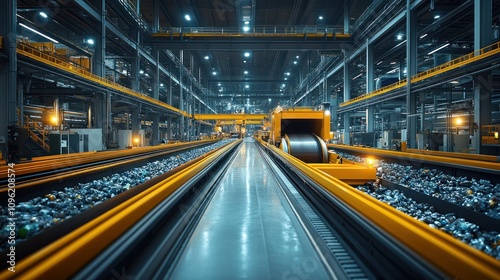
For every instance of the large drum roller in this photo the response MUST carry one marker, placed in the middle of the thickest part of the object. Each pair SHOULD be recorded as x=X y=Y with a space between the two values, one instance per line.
x=307 y=147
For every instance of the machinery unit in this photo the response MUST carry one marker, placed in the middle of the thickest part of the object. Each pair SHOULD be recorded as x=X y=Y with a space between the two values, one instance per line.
x=301 y=132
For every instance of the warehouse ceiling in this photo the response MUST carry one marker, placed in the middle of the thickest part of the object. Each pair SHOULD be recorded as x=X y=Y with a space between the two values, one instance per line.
x=266 y=77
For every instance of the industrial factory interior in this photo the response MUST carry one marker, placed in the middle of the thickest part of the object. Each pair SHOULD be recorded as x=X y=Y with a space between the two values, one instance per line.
x=250 y=139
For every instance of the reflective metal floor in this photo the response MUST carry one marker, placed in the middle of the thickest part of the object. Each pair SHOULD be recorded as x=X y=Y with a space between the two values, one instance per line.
x=248 y=231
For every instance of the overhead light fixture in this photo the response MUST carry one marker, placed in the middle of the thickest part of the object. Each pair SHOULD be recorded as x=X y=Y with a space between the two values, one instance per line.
x=399 y=37
x=286 y=79
x=246 y=28
x=437 y=16
x=214 y=73
x=187 y=17
x=247 y=86
x=218 y=84
x=141 y=71
x=247 y=54
x=287 y=73
x=246 y=72
x=423 y=36
x=38 y=32
x=295 y=62
x=206 y=57
x=43 y=14
x=454 y=82
x=161 y=84
x=359 y=75
x=90 y=41
x=297 y=57
x=380 y=62
x=442 y=47
x=320 y=17
x=247 y=22
x=244 y=61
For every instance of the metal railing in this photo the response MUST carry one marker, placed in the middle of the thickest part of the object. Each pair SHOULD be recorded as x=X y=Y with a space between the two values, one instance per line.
x=255 y=31
x=67 y=66
x=445 y=67
x=41 y=137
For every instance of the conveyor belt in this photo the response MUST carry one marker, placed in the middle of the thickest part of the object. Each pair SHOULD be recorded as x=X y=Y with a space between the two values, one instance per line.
x=248 y=230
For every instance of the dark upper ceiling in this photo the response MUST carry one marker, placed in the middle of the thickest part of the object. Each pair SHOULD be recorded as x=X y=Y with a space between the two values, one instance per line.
x=267 y=77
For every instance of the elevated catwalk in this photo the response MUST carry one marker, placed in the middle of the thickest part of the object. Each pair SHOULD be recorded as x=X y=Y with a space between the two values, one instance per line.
x=249 y=231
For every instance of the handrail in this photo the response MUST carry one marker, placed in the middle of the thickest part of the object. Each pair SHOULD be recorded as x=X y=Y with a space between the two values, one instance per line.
x=450 y=65
x=67 y=66
x=255 y=31
x=31 y=125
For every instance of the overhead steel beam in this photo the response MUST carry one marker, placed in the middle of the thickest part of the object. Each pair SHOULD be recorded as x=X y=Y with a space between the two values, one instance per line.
x=250 y=80
x=237 y=45
x=111 y=27
x=399 y=17
x=251 y=96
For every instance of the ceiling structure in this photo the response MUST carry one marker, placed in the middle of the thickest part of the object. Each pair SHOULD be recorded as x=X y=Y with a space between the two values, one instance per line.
x=228 y=80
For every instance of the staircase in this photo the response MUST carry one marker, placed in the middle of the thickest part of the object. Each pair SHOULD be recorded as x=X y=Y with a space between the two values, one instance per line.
x=36 y=137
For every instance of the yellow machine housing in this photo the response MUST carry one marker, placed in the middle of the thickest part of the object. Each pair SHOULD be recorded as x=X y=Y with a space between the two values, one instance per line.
x=299 y=120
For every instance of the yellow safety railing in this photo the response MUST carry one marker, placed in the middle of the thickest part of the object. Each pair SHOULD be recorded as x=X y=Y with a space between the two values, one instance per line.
x=67 y=66
x=30 y=125
x=256 y=31
x=445 y=67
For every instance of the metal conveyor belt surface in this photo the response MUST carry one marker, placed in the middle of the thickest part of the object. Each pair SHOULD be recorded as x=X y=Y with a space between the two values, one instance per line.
x=248 y=230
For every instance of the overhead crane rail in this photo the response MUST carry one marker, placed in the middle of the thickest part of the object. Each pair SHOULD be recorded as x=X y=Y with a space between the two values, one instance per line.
x=229 y=116
x=61 y=64
x=293 y=32
x=443 y=68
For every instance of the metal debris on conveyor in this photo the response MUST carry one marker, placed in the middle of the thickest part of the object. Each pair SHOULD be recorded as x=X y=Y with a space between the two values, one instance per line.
x=480 y=196
x=40 y=213
x=469 y=233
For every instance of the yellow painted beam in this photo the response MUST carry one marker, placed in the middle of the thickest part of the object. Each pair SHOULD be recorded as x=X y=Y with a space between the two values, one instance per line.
x=64 y=65
x=420 y=157
x=251 y=35
x=229 y=116
x=440 y=69
x=64 y=257
x=451 y=256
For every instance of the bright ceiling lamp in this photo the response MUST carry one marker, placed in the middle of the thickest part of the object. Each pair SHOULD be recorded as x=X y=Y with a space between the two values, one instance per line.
x=38 y=32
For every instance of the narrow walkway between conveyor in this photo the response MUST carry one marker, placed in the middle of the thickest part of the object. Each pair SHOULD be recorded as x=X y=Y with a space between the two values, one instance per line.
x=248 y=231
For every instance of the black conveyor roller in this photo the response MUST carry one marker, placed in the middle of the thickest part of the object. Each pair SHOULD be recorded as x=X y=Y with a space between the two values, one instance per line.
x=307 y=147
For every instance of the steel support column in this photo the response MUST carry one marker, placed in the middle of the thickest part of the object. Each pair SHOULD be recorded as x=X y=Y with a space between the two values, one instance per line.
x=156 y=73
x=347 y=96
x=482 y=82
x=156 y=16
x=8 y=76
x=181 y=96
x=99 y=67
x=370 y=112
x=155 y=138
x=136 y=124
x=411 y=69
x=347 y=23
